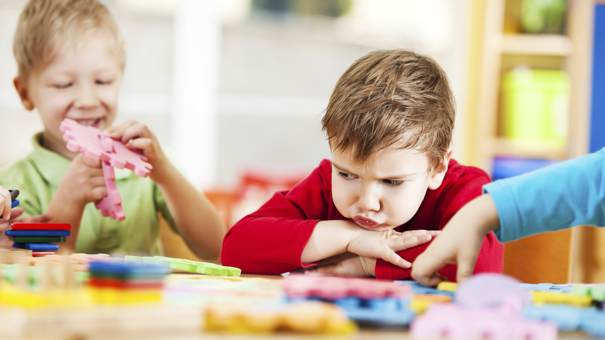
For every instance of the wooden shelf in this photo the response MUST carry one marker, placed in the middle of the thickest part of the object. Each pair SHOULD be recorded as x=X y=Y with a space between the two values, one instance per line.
x=529 y=149
x=536 y=44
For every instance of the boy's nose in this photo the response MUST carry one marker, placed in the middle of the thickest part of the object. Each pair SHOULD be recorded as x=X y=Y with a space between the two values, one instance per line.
x=87 y=97
x=369 y=199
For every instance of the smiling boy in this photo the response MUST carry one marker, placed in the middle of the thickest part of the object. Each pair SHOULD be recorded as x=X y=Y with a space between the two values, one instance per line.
x=71 y=56
x=389 y=189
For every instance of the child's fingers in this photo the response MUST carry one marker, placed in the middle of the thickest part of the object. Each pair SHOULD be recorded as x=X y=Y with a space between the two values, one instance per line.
x=140 y=143
x=392 y=257
x=425 y=269
x=5 y=203
x=116 y=132
x=466 y=266
x=15 y=213
x=134 y=131
x=44 y=218
x=98 y=193
x=421 y=232
x=401 y=242
x=91 y=163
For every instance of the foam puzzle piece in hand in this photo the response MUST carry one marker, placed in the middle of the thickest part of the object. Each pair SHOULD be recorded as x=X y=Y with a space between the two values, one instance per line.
x=92 y=143
x=334 y=288
x=111 y=205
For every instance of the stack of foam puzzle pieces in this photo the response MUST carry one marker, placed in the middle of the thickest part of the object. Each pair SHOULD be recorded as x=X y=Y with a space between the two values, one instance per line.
x=126 y=282
x=100 y=146
x=40 y=238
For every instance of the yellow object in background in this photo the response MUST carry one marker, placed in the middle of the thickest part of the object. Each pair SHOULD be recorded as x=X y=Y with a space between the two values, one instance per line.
x=447 y=286
x=535 y=105
x=420 y=302
x=561 y=298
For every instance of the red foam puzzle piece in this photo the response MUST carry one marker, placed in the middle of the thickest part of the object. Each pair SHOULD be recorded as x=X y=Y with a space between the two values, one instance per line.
x=42 y=253
x=41 y=226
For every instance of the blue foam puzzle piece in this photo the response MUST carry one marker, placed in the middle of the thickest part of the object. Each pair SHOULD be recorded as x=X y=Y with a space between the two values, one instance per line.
x=37 y=246
x=570 y=318
x=14 y=203
x=387 y=312
x=547 y=287
x=127 y=269
x=417 y=288
x=37 y=232
x=593 y=323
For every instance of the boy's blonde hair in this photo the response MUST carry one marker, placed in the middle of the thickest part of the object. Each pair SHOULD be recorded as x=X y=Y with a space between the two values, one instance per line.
x=46 y=25
x=391 y=98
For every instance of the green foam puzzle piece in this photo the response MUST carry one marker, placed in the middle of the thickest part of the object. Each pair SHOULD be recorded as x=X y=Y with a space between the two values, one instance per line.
x=188 y=266
x=595 y=292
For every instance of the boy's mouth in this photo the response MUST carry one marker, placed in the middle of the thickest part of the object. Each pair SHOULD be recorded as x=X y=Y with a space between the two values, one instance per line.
x=89 y=122
x=365 y=222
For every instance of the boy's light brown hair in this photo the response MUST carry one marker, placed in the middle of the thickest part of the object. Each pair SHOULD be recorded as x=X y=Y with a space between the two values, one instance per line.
x=391 y=98
x=45 y=26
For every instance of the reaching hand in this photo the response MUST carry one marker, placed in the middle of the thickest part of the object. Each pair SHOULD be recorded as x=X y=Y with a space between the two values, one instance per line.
x=459 y=243
x=5 y=224
x=83 y=181
x=385 y=244
x=136 y=135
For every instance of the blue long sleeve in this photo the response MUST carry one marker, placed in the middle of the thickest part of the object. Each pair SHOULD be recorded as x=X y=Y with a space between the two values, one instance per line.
x=557 y=197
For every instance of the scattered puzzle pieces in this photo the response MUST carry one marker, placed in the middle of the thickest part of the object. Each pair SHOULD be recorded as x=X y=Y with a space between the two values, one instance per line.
x=452 y=321
x=334 y=288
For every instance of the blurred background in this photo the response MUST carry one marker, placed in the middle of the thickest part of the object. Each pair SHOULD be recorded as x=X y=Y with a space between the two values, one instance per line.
x=236 y=89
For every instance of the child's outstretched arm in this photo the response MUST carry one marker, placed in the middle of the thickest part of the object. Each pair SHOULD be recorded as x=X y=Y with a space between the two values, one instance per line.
x=459 y=242
x=558 y=197
x=194 y=216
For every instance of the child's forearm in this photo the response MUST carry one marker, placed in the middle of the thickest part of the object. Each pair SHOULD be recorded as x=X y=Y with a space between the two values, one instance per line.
x=64 y=210
x=194 y=216
x=329 y=238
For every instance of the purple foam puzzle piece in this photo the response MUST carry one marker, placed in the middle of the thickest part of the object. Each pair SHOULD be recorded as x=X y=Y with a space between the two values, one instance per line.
x=489 y=290
x=334 y=288
x=452 y=321
x=111 y=205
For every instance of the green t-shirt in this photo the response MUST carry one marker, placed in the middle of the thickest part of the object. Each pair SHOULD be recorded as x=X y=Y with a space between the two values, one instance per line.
x=39 y=174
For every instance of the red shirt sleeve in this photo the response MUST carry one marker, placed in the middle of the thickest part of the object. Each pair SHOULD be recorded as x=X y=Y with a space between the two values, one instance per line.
x=460 y=186
x=272 y=239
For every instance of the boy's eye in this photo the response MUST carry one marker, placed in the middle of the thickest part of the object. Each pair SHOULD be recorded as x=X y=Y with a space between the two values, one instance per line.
x=392 y=182
x=345 y=175
x=103 y=82
x=62 y=86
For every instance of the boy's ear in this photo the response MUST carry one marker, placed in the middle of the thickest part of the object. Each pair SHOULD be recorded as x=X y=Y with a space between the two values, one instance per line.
x=23 y=93
x=438 y=174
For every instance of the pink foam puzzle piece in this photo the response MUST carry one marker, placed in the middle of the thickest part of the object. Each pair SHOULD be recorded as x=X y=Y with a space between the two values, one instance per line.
x=334 y=288
x=455 y=322
x=130 y=159
x=111 y=205
x=83 y=139
x=488 y=290
x=100 y=146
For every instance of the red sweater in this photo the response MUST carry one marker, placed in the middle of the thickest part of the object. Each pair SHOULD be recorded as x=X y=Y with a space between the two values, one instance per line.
x=272 y=239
